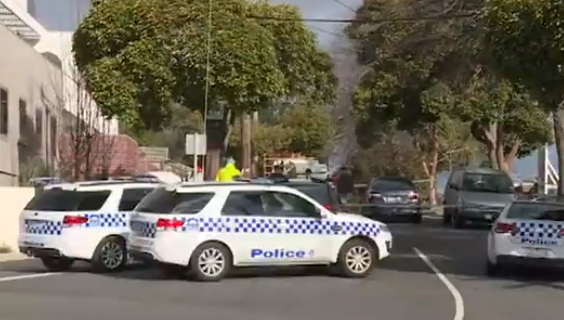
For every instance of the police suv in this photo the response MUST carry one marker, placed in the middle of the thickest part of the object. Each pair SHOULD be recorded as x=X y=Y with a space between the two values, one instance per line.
x=86 y=221
x=204 y=230
x=527 y=233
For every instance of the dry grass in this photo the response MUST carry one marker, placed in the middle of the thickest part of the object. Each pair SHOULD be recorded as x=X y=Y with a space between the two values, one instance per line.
x=4 y=248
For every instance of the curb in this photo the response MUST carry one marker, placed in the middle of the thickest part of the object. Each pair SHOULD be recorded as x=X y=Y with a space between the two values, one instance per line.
x=15 y=256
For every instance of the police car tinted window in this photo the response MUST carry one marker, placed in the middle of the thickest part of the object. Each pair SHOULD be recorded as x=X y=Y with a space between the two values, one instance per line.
x=131 y=197
x=164 y=201
x=243 y=204
x=536 y=211
x=68 y=200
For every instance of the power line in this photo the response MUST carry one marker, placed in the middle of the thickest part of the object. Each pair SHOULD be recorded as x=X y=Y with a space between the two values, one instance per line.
x=345 y=5
x=326 y=31
x=401 y=19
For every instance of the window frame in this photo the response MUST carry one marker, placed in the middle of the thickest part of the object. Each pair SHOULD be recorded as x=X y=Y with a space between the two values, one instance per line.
x=4 y=111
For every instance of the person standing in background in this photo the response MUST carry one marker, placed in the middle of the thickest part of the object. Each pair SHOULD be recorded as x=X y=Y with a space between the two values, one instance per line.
x=229 y=172
x=344 y=183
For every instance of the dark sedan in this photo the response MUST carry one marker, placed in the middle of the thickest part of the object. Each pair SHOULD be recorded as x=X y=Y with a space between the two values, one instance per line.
x=391 y=198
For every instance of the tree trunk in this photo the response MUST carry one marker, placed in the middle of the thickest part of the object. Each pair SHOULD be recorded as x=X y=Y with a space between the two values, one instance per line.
x=246 y=124
x=500 y=149
x=558 y=122
x=512 y=155
x=433 y=165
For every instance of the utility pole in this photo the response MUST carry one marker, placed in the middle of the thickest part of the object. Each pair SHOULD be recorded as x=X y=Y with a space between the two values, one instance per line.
x=246 y=127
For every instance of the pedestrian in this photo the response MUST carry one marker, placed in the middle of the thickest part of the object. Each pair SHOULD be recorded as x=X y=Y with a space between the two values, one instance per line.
x=229 y=172
x=344 y=183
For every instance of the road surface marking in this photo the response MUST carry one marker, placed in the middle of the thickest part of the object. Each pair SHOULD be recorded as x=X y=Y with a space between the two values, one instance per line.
x=28 y=276
x=416 y=256
x=458 y=301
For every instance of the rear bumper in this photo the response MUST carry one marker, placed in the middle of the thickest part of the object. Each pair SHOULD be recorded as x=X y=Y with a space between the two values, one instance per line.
x=479 y=215
x=40 y=252
x=391 y=212
x=508 y=260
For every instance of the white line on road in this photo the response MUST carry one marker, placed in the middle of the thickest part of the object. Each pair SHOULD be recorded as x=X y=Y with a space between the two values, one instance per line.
x=458 y=301
x=28 y=276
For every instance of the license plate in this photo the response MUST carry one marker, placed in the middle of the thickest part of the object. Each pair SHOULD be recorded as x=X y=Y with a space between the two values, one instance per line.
x=394 y=199
x=35 y=223
x=537 y=253
x=488 y=216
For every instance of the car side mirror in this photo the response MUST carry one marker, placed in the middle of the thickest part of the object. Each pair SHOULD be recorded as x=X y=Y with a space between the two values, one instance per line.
x=453 y=186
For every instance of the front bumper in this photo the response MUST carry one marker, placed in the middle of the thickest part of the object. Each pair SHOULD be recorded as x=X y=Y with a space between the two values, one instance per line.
x=481 y=215
x=399 y=211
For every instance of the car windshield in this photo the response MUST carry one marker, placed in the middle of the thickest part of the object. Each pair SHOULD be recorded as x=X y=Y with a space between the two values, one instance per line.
x=487 y=182
x=536 y=211
x=384 y=185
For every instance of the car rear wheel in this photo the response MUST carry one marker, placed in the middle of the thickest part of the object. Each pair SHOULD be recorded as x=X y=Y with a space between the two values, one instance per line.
x=210 y=262
x=357 y=259
x=57 y=264
x=492 y=269
x=110 y=255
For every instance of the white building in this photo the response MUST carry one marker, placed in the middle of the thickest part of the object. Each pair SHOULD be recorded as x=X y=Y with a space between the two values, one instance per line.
x=37 y=81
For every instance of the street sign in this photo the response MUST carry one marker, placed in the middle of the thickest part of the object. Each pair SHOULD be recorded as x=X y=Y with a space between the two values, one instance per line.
x=196 y=144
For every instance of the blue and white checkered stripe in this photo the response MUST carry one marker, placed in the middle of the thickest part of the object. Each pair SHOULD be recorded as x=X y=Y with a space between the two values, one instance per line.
x=542 y=230
x=46 y=227
x=106 y=220
x=262 y=226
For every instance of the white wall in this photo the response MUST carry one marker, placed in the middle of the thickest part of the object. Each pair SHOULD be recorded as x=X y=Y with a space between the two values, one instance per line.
x=9 y=219
x=26 y=75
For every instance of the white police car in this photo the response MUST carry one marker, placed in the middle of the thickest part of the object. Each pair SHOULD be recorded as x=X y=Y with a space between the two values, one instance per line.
x=206 y=229
x=527 y=234
x=84 y=221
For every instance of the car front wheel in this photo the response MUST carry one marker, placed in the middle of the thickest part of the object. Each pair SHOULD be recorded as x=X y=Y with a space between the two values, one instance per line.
x=210 y=262
x=357 y=259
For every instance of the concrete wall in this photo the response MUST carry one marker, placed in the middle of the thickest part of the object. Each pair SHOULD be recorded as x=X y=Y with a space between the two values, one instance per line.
x=13 y=201
x=27 y=76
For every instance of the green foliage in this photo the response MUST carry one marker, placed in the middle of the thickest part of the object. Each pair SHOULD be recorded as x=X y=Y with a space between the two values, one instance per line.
x=310 y=126
x=526 y=41
x=138 y=55
x=300 y=128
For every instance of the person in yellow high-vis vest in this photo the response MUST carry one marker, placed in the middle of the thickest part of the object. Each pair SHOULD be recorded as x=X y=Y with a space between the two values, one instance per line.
x=229 y=172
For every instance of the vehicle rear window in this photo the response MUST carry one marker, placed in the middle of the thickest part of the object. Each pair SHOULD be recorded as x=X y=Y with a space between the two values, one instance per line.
x=487 y=182
x=319 y=193
x=131 y=197
x=536 y=211
x=163 y=201
x=392 y=185
x=60 y=200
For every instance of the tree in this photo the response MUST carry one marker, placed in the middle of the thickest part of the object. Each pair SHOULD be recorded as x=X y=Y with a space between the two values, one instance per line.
x=526 y=38
x=506 y=120
x=83 y=147
x=303 y=128
x=310 y=126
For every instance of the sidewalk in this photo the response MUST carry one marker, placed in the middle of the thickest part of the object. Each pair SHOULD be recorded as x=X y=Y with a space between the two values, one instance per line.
x=15 y=256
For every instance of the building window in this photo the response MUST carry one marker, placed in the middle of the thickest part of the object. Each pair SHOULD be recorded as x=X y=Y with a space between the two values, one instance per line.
x=23 y=116
x=39 y=124
x=3 y=111
x=53 y=128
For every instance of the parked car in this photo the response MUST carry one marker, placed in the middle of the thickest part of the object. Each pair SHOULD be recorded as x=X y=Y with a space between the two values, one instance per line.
x=393 y=198
x=476 y=195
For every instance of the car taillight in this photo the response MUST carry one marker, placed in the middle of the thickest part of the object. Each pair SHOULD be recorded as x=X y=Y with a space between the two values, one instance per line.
x=503 y=228
x=169 y=223
x=562 y=232
x=414 y=196
x=328 y=207
x=74 y=220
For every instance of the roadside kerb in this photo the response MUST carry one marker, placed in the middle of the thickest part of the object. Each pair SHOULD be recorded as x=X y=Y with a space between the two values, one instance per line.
x=5 y=257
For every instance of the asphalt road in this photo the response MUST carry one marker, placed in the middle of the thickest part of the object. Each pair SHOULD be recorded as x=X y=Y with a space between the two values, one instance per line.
x=404 y=287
